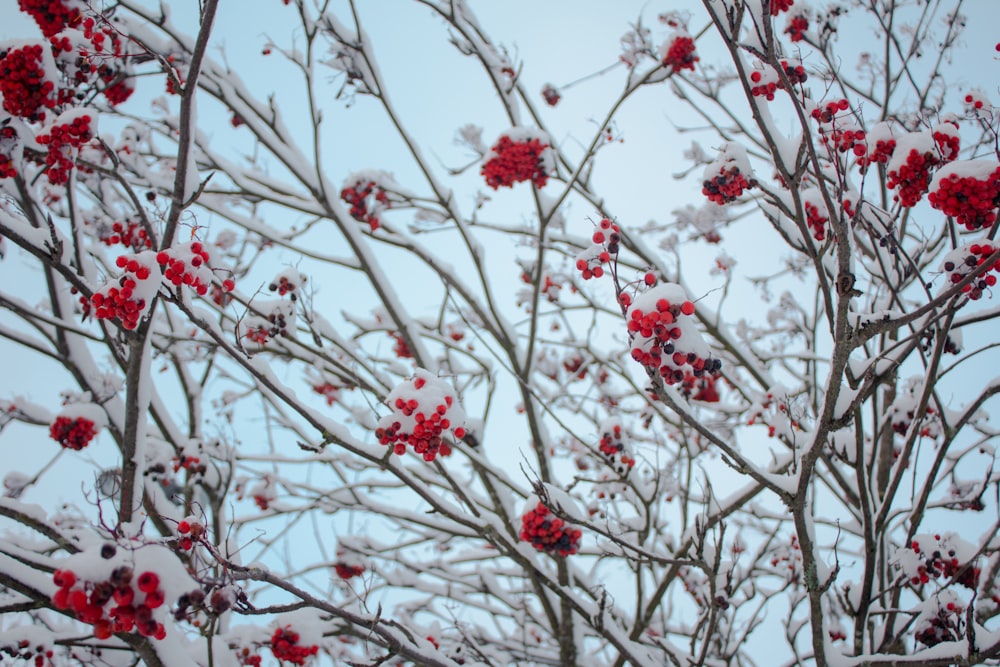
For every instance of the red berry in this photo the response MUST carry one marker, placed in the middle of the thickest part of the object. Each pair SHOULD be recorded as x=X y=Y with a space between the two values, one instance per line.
x=148 y=582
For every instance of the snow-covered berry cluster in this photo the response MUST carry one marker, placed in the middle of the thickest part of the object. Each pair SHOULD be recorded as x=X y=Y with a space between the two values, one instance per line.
x=605 y=243
x=817 y=217
x=547 y=533
x=663 y=335
x=287 y=283
x=729 y=175
x=700 y=387
x=948 y=140
x=519 y=155
x=944 y=556
x=286 y=647
x=976 y=102
x=941 y=620
x=909 y=168
x=904 y=410
x=613 y=447
x=277 y=320
x=348 y=565
x=130 y=298
x=766 y=81
x=64 y=138
x=10 y=151
x=879 y=146
x=678 y=53
x=797 y=26
x=93 y=57
x=130 y=234
x=30 y=651
x=550 y=94
x=366 y=198
x=778 y=6
x=968 y=190
x=122 y=602
x=965 y=259
x=77 y=424
x=52 y=16
x=186 y=264
x=829 y=111
x=787 y=558
x=189 y=531
x=72 y=433
x=424 y=409
x=25 y=80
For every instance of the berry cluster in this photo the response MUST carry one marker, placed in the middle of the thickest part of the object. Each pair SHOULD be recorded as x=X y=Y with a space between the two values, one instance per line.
x=963 y=260
x=192 y=604
x=279 y=321
x=64 y=139
x=903 y=418
x=358 y=194
x=130 y=299
x=815 y=220
x=551 y=95
x=9 y=153
x=285 y=646
x=190 y=531
x=933 y=556
x=797 y=27
x=778 y=6
x=52 y=16
x=664 y=339
x=263 y=493
x=726 y=186
x=547 y=533
x=947 y=625
x=424 y=408
x=969 y=190
x=287 y=282
x=829 y=111
x=186 y=264
x=947 y=139
x=192 y=464
x=511 y=161
x=246 y=657
x=329 y=391
x=39 y=654
x=606 y=242
x=551 y=288
x=347 y=566
x=975 y=102
x=400 y=347
x=130 y=234
x=679 y=54
x=845 y=138
x=728 y=176
x=72 y=432
x=613 y=447
x=909 y=168
x=99 y=61
x=765 y=82
x=258 y=333
x=788 y=558
x=879 y=145
x=700 y=388
x=26 y=90
x=112 y=605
